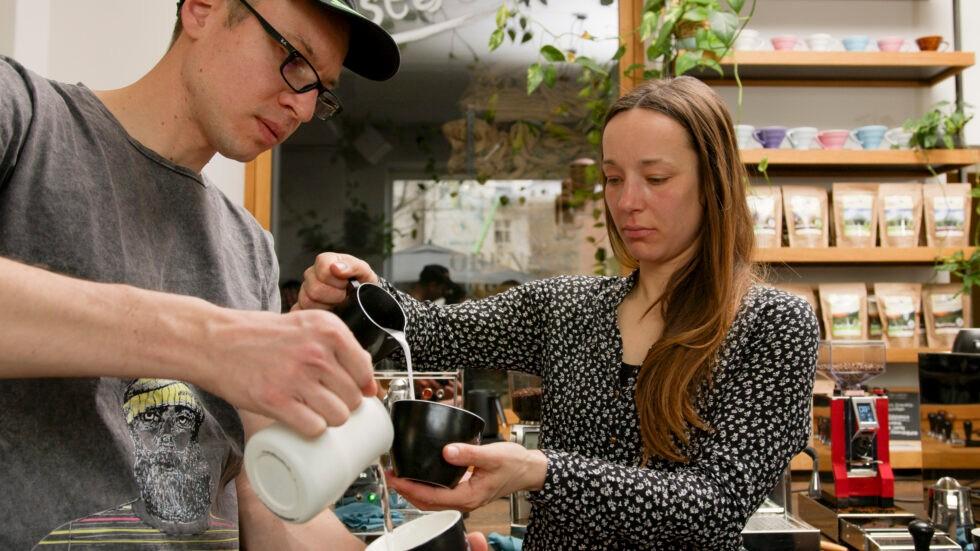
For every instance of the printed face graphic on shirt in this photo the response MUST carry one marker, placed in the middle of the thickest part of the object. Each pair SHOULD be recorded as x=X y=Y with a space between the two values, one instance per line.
x=170 y=468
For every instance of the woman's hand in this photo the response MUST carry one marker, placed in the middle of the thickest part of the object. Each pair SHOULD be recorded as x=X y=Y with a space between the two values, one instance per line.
x=499 y=469
x=325 y=282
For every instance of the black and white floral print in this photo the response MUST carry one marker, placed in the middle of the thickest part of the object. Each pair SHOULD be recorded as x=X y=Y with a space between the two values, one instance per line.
x=597 y=493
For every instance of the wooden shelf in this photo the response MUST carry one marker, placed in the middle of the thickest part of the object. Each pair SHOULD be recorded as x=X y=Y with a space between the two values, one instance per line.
x=906 y=355
x=841 y=255
x=826 y=162
x=845 y=69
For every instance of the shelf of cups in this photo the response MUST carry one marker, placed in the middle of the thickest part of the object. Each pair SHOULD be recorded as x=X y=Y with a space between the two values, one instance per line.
x=844 y=162
x=846 y=255
x=839 y=69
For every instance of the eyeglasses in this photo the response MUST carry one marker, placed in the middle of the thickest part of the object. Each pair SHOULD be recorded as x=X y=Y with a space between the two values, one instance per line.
x=299 y=74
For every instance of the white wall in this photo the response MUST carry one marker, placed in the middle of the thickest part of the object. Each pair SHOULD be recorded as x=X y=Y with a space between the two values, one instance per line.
x=103 y=43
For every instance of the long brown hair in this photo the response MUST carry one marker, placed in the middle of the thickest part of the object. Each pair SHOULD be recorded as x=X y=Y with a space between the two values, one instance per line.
x=702 y=297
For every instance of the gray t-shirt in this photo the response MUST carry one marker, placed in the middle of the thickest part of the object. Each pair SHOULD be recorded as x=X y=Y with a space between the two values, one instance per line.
x=144 y=463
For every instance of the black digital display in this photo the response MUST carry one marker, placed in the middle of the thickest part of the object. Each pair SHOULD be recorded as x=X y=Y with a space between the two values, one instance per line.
x=866 y=413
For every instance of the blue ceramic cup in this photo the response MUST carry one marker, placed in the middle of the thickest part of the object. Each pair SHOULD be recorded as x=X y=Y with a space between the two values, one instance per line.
x=856 y=43
x=771 y=137
x=870 y=137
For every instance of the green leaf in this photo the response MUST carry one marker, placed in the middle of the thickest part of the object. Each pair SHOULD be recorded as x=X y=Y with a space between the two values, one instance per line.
x=523 y=22
x=737 y=5
x=552 y=54
x=648 y=24
x=653 y=5
x=631 y=69
x=527 y=36
x=724 y=25
x=512 y=34
x=619 y=53
x=535 y=75
x=713 y=65
x=590 y=64
x=550 y=76
x=687 y=61
x=496 y=39
x=763 y=164
x=594 y=137
x=696 y=14
x=662 y=43
x=502 y=14
x=600 y=254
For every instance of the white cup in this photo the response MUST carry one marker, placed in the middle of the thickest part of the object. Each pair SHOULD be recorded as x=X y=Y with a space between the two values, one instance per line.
x=748 y=40
x=898 y=137
x=801 y=137
x=820 y=42
x=743 y=134
x=297 y=477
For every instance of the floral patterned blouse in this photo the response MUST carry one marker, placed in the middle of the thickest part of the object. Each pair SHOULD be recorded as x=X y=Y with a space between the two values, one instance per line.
x=597 y=493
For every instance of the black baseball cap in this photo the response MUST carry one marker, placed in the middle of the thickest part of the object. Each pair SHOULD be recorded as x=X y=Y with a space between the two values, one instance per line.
x=372 y=52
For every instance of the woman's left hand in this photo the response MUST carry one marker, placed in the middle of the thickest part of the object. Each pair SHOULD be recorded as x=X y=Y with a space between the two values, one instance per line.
x=499 y=469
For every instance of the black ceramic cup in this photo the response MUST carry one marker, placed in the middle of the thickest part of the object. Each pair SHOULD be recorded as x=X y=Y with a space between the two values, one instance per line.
x=368 y=311
x=440 y=531
x=422 y=429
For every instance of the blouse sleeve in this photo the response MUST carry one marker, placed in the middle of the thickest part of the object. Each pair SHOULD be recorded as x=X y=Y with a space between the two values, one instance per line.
x=760 y=414
x=504 y=331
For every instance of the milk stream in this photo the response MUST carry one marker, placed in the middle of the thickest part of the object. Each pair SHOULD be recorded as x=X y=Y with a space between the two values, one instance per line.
x=402 y=340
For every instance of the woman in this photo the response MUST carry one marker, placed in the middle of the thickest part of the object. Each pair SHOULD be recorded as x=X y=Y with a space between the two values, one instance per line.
x=673 y=397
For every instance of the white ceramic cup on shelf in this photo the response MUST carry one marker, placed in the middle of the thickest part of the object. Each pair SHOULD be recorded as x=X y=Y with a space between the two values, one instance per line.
x=749 y=40
x=743 y=134
x=298 y=477
x=821 y=42
x=802 y=137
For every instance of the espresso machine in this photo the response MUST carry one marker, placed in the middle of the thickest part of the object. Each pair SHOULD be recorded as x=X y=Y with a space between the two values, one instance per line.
x=857 y=508
x=525 y=398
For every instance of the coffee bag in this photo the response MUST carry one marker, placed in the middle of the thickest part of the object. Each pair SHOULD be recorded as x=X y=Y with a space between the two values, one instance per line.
x=845 y=310
x=806 y=216
x=766 y=206
x=899 y=309
x=947 y=208
x=900 y=214
x=947 y=310
x=855 y=215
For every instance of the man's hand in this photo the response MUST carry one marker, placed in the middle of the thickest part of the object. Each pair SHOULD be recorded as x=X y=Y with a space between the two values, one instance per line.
x=304 y=369
x=325 y=282
x=499 y=469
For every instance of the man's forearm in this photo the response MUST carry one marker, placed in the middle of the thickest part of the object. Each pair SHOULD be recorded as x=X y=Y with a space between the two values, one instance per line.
x=58 y=326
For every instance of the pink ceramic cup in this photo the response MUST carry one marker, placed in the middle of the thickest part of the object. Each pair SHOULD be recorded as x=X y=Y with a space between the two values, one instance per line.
x=784 y=42
x=891 y=43
x=833 y=139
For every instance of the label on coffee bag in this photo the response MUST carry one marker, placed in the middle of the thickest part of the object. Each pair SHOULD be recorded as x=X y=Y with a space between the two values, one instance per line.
x=807 y=215
x=763 y=210
x=947 y=309
x=950 y=216
x=899 y=215
x=845 y=312
x=857 y=213
x=900 y=312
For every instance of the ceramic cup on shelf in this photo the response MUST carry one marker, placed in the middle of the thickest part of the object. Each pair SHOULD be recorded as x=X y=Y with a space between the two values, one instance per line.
x=833 y=139
x=856 y=43
x=932 y=43
x=870 y=137
x=749 y=40
x=891 y=43
x=743 y=134
x=771 y=137
x=898 y=137
x=820 y=42
x=784 y=42
x=801 y=137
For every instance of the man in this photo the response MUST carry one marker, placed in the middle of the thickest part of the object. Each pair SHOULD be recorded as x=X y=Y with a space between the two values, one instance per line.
x=109 y=240
x=433 y=283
